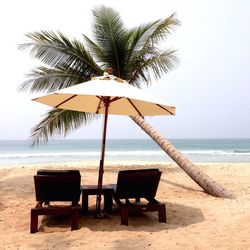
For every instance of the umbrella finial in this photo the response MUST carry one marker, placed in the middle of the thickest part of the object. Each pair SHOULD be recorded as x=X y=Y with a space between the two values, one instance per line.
x=108 y=75
x=110 y=71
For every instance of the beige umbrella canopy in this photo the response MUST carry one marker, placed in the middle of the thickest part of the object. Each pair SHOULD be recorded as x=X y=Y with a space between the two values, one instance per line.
x=93 y=96
x=106 y=95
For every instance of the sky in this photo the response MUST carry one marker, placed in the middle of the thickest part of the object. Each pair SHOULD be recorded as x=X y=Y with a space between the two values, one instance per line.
x=210 y=87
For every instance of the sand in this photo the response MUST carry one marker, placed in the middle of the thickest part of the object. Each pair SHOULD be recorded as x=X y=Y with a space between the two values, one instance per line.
x=195 y=220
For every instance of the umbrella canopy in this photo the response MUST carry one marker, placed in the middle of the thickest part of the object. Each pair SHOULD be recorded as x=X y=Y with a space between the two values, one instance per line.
x=91 y=96
x=106 y=95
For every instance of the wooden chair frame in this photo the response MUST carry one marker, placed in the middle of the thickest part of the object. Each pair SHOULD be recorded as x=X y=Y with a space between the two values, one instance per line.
x=56 y=185
x=137 y=184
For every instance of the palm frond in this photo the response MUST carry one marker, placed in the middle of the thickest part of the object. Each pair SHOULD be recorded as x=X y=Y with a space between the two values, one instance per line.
x=144 y=49
x=161 y=30
x=95 y=50
x=161 y=63
x=43 y=79
x=59 y=122
x=108 y=32
x=55 y=49
x=157 y=63
x=138 y=35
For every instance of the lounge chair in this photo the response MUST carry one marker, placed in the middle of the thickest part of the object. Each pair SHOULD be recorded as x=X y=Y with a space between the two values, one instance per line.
x=138 y=184
x=56 y=185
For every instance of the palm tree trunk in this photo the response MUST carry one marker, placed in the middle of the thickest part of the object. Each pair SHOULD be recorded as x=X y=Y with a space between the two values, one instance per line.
x=205 y=182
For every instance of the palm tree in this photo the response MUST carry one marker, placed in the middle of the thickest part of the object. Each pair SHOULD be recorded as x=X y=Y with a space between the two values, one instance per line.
x=133 y=54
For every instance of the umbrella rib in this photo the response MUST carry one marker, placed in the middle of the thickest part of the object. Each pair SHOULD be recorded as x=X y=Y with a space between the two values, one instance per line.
x=115 y=99
x=73 y=96
x=137 y=110
x=99 y=105
x=171 y=113
x=102 y=99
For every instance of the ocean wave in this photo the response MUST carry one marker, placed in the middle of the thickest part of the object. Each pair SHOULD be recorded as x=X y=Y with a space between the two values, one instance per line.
x=216 y=152
x=69 y=154
x=52 y=154
x=121 y=153
x=241 y=151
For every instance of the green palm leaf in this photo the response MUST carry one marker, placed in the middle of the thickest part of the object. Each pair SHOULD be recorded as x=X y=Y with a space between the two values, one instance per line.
x=109 y=33
x=162 y=29
x=57 y=50
x=59 y=122
x=157 y=63
x=43 y=79
x=95 y=50
x=144 y=53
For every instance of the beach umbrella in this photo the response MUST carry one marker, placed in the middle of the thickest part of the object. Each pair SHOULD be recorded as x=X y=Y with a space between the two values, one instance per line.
x=106 y=95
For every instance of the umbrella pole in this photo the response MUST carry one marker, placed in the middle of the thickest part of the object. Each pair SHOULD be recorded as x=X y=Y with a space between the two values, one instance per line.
x=101 y=166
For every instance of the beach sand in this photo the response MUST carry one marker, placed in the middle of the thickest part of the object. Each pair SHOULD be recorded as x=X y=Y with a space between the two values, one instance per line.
x=195 y=220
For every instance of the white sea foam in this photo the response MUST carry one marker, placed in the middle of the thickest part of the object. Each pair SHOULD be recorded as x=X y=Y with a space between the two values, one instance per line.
x=120 y=153
x=197 y=150
x=215 y=152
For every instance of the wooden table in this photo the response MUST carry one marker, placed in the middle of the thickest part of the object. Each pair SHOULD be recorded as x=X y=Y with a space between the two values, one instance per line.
x=107 y=192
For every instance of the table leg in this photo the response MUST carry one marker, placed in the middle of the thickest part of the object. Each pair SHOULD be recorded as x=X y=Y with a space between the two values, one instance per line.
x=108 y=201
x=85 y=203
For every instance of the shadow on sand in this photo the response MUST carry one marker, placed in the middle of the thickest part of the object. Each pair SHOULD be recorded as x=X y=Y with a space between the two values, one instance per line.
x=177 y=216
x=179 y=185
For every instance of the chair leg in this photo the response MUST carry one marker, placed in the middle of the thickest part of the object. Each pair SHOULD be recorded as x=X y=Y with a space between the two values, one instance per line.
x=33 y=222
x=124 y=215
x=162 y=213
x=74 y=219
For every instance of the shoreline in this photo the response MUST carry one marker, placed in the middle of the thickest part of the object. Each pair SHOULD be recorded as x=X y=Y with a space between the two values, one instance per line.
x=197 y=150
x=112 y=163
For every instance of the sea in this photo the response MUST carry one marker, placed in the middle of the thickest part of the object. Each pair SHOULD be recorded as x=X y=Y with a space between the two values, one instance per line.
x=20 y=152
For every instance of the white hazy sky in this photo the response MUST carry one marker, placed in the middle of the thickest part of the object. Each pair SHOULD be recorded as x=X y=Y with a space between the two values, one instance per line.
x=210 y=88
